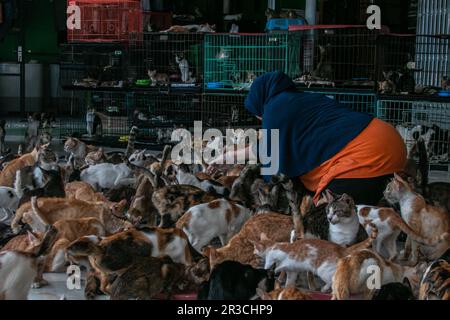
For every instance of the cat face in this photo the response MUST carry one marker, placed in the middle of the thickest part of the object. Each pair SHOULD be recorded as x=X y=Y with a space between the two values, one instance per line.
x=340 y=209
x=71 y=144
x=395 y=189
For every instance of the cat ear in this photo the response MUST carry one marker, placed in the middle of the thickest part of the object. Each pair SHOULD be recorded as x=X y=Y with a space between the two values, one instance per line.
x=329 y=196
x=31 y=237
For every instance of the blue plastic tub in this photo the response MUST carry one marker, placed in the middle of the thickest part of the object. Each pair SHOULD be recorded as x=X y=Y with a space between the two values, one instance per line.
x=283 y=24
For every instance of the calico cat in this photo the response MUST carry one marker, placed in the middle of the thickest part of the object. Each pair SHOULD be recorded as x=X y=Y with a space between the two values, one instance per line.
x=158 y=78
x=173 y=201
x=352 y=274
x=219 y=218
x=240 y=248
x=429 y=221
x=389 y=225
x=19 y=269
x=146 y=278
x=8 y=174
x=241 y=191
x=232 y=280
x=317 y=256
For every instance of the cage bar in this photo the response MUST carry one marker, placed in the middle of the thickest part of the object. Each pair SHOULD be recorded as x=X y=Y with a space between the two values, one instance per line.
x=167 y=54
x=429 y=119
x=93 y=66
x=233 y=61
x=226 y=111
x=357 y=101
x=157 y=115
x=107 y=21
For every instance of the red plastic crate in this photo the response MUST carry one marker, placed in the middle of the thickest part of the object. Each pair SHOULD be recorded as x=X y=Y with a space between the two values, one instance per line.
x=107 y=21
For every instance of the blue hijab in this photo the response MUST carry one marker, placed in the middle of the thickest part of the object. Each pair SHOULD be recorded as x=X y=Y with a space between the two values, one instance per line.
x=312 y=127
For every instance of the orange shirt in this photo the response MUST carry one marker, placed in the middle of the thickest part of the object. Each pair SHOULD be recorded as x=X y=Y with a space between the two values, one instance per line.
x=377 y=151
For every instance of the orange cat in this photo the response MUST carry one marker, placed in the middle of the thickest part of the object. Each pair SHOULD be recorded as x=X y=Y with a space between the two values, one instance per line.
x=240 y=248
x=429 y=221
x=44 y=211
x=8 y=174
x=83 y=191
x=353 y=273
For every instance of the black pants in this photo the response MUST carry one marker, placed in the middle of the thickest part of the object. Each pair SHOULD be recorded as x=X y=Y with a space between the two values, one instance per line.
x=364 y=191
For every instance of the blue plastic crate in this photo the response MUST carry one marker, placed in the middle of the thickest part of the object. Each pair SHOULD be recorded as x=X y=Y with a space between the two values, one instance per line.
x=283 y=24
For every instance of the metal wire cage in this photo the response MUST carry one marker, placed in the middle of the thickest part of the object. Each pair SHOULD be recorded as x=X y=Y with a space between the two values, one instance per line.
x=92 y=66
x=226 y=111
x=158 y=115
x=414 y=118
x=105 y=20
x=337 y=55
x=418 y=61
x=233 y=61
x=175 y=58
x=112 y=112
x=363 y=101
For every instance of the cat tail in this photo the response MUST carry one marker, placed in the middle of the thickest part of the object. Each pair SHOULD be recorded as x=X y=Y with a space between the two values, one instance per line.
x=50 y=237
x=292 y=197
x=341 y=281
x=364 y=244
x=423 y=164
x=18 y=185
x=37 y=212
x=131 y=141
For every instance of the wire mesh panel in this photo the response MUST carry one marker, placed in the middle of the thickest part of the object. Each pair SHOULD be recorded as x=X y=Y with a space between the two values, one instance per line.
x=337 y=55
x=157 y=115
x=226 y=111
x=414 y=118
x=233 y=61
x=358 y=101
x=415 y=62
x=93 y=66
x=164 y=59
x=104 y=20
x=112 y=114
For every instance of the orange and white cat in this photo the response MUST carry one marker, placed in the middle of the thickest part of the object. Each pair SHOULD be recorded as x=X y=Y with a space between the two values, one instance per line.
x=18 y=269
x=429 y=221
x=353 y=273
x=219 y=218
x=8 y=174
x=317 y=256
x=389 y=224
x=277 y=227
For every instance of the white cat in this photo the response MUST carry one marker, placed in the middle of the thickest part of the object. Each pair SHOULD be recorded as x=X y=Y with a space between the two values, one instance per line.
x=219 y=218
x=107 y=175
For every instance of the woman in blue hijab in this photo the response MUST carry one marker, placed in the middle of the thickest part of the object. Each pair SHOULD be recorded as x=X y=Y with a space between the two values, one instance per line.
x=325 y=144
